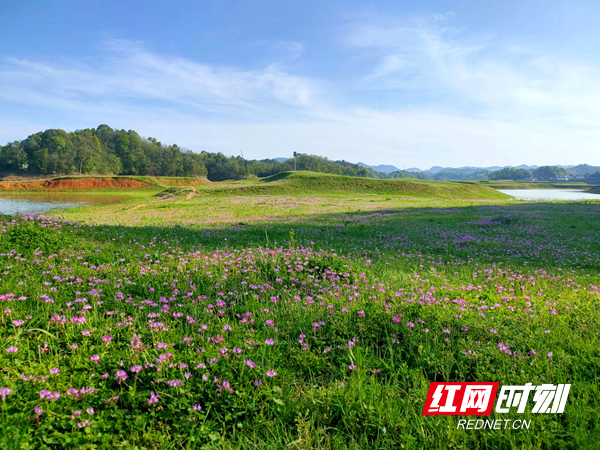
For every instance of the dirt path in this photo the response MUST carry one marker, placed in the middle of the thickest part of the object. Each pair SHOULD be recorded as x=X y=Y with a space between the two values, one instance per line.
x=191 y=194
x=137 y=206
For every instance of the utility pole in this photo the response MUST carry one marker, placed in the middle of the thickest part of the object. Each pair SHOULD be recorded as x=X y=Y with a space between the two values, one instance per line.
x=245 y=165
x=295 y=154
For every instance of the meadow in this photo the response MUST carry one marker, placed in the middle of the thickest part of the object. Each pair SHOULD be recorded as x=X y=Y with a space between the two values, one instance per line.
x=299 y=312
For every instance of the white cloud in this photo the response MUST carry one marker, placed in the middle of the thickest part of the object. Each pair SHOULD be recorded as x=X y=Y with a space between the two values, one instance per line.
x=130 y=72
x=406 y=139
x=505 y=81
x=502 y=104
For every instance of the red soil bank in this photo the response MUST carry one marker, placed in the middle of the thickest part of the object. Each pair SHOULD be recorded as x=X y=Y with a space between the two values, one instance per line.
x=68 y=184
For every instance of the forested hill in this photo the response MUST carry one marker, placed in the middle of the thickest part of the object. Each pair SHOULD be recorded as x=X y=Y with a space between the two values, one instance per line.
x=104 y=151
x=97 y=151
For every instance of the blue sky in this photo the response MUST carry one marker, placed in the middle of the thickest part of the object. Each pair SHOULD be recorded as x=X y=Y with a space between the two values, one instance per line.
x=413 y=84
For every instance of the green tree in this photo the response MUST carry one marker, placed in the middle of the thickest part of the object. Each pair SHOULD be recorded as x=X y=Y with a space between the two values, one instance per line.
x=510 y=173
x=546 y=173
x=13 y=157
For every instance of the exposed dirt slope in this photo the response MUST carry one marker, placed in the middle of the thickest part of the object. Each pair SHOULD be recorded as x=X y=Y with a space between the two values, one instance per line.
x=77 y=183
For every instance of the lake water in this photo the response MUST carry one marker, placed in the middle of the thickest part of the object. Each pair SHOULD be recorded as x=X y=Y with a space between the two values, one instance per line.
x=39 y=202
x=550 y=194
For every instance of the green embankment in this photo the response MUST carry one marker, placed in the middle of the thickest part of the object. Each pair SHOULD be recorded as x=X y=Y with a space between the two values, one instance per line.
x=308 y=183
x=284 y=183
x=508 y=184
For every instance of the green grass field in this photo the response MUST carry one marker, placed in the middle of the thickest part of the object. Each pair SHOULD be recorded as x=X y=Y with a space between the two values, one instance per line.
x=302 y=311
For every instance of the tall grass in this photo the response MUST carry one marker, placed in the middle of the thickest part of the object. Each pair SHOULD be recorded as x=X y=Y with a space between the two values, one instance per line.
x=309 y=328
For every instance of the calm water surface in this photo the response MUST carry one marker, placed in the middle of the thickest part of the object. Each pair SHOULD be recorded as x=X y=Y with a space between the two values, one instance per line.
x=28 y=202
x=550 y=194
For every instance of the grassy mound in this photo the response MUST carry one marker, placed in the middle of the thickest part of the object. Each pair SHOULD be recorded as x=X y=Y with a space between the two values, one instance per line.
x=173 y=192
x=307 y=183
x=181 y=181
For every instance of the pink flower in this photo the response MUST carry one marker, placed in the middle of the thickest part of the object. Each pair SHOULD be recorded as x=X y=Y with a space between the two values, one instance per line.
x=121 y=375
x=54 y=371
x=270 y=373
x=12 y=349
x=154 y=398
x=51 y=396
x=5 y=392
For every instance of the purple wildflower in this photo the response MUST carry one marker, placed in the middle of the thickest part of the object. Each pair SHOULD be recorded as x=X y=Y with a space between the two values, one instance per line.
x=5 y=392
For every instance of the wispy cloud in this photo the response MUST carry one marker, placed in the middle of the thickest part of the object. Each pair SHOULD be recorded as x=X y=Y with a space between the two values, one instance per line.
x=130 y=72
x=473 y=100
x=501 y=80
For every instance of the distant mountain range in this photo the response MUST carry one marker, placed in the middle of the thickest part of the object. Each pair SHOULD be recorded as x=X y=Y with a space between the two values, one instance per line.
x=387 y=168
x=467 y=169
x=383 y=168
x=456 y=173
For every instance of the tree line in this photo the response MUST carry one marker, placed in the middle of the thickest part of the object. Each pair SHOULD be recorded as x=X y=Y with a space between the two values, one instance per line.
x=545 y=173
x=107 y=151
x=97 y=151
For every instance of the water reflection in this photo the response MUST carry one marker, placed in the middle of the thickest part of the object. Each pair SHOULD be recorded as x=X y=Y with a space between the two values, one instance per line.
x=550 y=194
x=27 y=202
